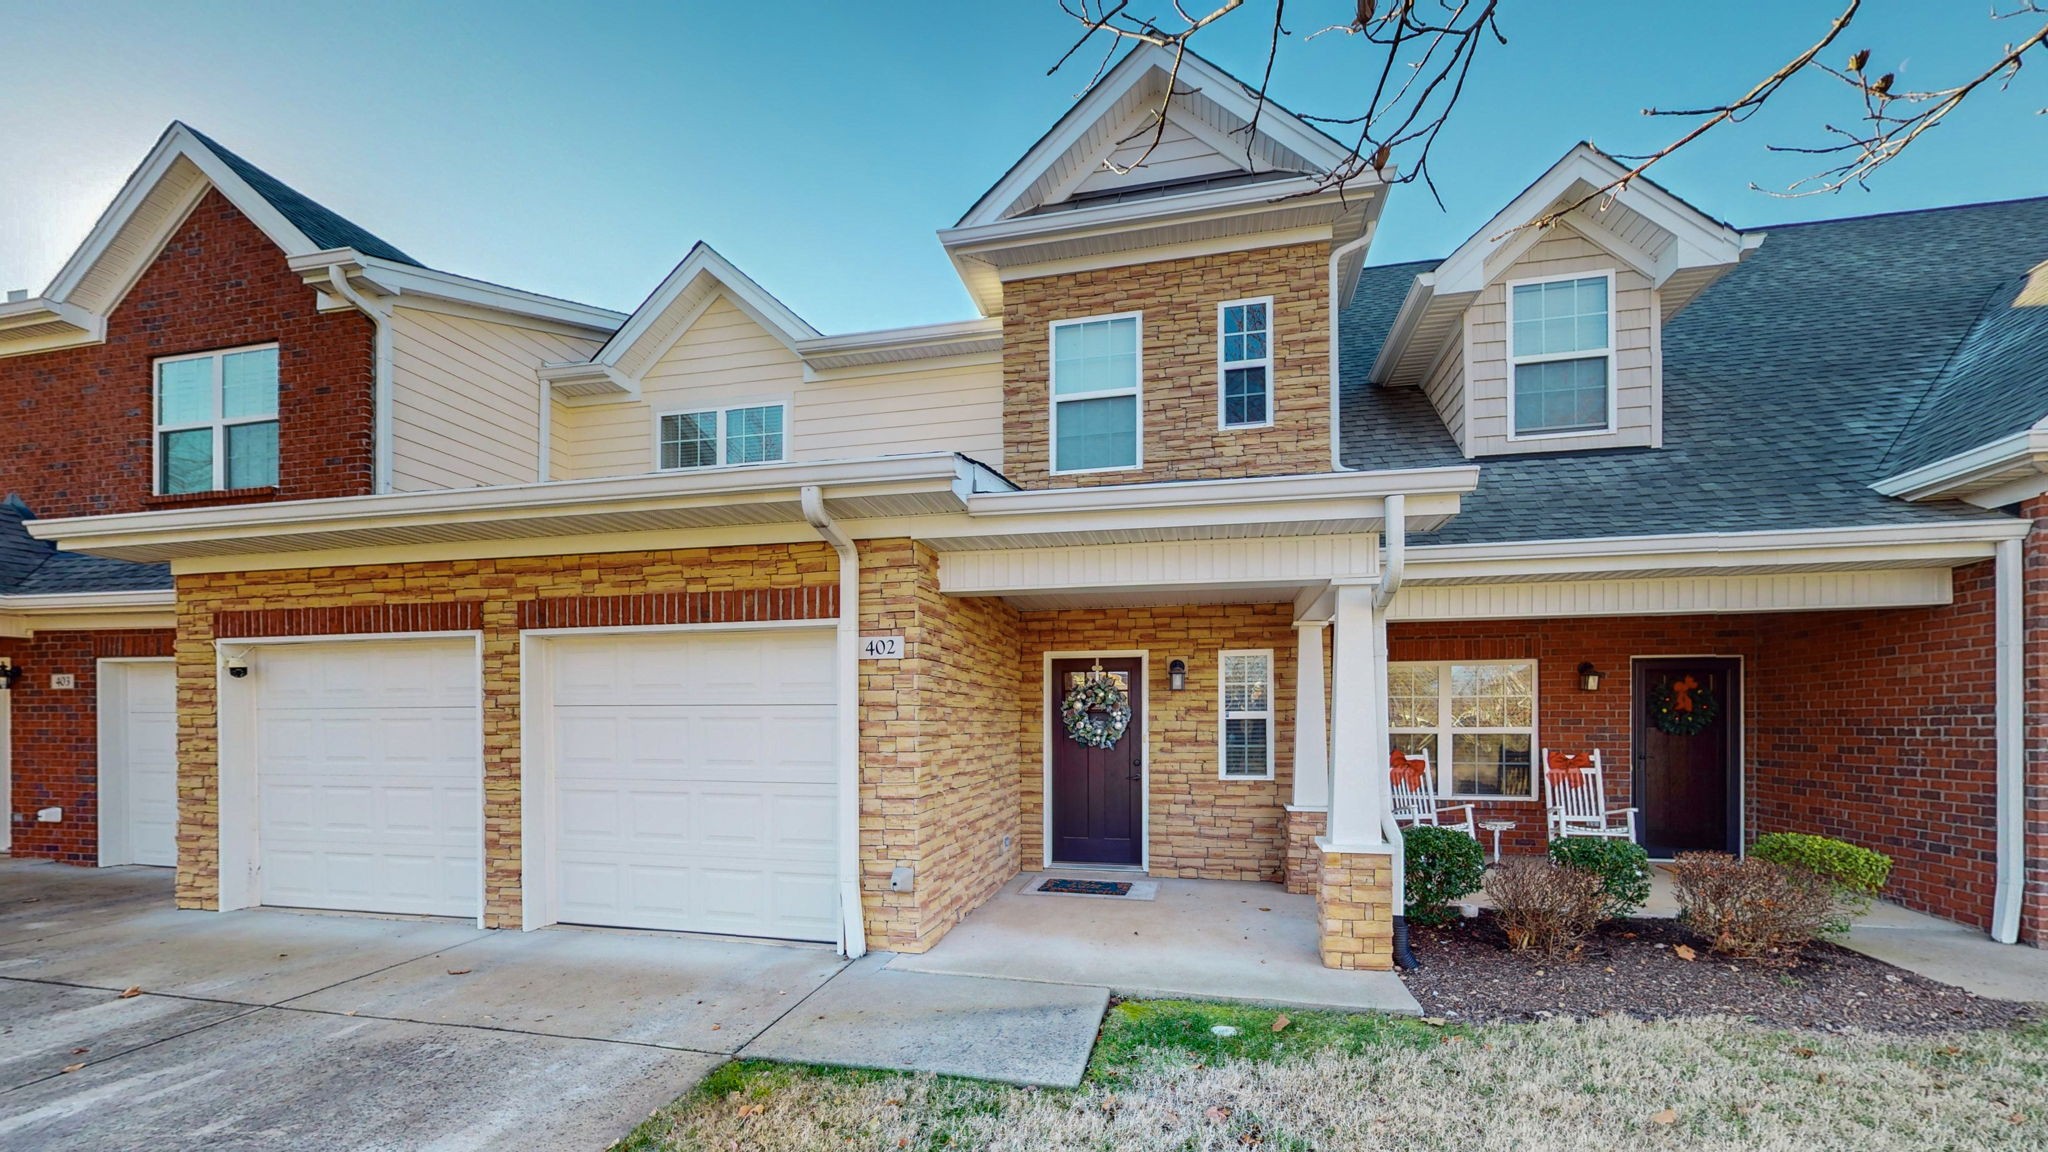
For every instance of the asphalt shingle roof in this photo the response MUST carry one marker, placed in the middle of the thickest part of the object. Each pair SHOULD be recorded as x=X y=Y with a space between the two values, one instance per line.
x=34 y=567
x=322 y=226
x=1789 y=386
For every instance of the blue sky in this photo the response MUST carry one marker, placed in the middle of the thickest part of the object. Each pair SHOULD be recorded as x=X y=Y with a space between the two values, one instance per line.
x=820 y=146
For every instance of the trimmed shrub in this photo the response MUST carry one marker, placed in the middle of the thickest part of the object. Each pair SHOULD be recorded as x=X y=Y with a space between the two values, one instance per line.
x=1752 y=906
x=1544 y=907
x=1443 y=864
x=1622 y=866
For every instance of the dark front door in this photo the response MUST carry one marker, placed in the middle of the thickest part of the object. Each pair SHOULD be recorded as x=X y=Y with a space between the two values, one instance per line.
x=1685 y=784
x=1098 y=794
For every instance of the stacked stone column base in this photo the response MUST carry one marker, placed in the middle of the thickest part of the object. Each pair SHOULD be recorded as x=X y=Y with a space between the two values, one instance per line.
x=1355 y=909
x=1304 y=860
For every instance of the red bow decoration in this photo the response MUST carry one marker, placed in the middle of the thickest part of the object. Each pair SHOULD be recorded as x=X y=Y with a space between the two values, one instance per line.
x=1408 y=771
x=1565 y=769
x=1681 y=693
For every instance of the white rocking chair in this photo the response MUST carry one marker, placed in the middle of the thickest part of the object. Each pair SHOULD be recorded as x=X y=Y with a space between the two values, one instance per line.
x=1577 y=798
x=1415 y=801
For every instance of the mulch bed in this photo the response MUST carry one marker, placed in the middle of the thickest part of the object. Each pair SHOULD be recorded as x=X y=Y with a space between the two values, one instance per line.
x=1633 y=967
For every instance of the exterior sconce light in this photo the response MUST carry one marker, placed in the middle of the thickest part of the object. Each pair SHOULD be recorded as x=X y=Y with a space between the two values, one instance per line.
x=9 y=673
x=1589 y=677
x=1177 y=674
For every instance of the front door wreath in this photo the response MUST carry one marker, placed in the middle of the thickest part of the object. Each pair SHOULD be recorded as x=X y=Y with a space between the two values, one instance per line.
x=1683 y=706
x=1096 y=711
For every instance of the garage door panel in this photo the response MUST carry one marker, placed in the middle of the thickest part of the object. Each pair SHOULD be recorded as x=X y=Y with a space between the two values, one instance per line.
x=695 y=782
x=368 y=766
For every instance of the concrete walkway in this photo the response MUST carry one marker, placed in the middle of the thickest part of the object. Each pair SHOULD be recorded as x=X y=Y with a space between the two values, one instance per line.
x=1199 y=939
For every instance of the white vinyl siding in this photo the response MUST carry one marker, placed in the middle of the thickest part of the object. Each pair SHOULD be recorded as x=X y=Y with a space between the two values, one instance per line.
x=216 y=421
x=1487 y=424
x=1246 y=732
x=725 y=359
x=1244 y=353
x=465 y=399
x=751 y=434
x=1560 y=333
x=1476 y=720
x=1097 y=366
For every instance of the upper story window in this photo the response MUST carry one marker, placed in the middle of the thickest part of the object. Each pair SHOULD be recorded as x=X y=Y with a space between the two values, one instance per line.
x=1247 y=735
x=1477 y=721
x=1562 y=337
x=714 y=436
x=1095 y=366
x=1245 y=361
x=216 y=421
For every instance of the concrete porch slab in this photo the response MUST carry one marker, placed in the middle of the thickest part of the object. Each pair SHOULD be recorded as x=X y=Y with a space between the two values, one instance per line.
x=1200 y=939
x=255 y=956
x=871 y=1016
x=1952 y=953
x=690 y=992
x=277 y=1078
x=39 y=899
x=45 y=1028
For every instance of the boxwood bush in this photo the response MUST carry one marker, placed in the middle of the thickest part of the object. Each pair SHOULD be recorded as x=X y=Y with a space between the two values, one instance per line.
x=1443 y=864
x=1857 y=873
x=1622 y=866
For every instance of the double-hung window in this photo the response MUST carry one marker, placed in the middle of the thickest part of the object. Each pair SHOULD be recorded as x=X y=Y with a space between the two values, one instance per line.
x=216 y=421
x=1476 y=720
x=714 y=436
x=1562 y=344
x=1095 y=366
x=1247 y=735
x=1245 y=362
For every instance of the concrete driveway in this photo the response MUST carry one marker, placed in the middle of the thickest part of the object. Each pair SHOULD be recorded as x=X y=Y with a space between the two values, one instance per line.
x=269 y=1029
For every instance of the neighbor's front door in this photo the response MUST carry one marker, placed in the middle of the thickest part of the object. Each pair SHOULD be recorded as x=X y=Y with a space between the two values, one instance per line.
x=1098 y=794
x=1685 y=783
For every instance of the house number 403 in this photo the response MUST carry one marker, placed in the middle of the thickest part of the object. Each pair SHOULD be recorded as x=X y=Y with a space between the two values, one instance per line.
x=881 y=647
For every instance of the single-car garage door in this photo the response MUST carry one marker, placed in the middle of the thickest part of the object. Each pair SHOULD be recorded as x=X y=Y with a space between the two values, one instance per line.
x=368 y=770
x=695 y=787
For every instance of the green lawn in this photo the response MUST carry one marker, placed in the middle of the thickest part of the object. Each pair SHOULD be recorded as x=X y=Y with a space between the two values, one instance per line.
x=1160 y=1079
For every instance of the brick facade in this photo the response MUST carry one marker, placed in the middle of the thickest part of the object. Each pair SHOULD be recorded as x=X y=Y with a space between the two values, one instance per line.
x=2034 y=914
x=1200 y=826
x=78 y=434
x=55 y=736
x=1178 y=389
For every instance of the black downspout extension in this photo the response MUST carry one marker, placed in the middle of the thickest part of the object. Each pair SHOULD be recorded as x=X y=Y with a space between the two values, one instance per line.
x=1403 y=958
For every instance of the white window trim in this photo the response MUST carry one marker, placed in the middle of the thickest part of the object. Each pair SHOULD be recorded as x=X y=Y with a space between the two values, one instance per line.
x=1270 y=714
x=220 y=424
x=1607 y=358
x=1444 y=733
x=723 y=411
x=1054 y=399
x=1223 y=366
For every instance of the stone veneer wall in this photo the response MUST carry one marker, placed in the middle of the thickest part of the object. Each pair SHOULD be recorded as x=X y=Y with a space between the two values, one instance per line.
x=1178 y=352
x=1200 y=826
x=1355 y=911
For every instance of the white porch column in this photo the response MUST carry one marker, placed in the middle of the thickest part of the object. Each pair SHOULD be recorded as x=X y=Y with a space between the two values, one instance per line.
x=1311 y=719
x=1358 y=745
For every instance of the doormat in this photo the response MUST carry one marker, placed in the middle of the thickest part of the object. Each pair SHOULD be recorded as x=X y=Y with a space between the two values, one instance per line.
x=1096 y=889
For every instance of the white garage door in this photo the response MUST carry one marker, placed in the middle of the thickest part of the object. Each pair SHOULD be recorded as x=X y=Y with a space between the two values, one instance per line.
x=145 y=753
x=695 y=787
x=367 y=775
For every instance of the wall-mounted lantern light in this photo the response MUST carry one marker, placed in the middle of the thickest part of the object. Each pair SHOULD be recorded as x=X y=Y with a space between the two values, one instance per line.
x=1589 y=677
x=9 y=673
x=1177 y=674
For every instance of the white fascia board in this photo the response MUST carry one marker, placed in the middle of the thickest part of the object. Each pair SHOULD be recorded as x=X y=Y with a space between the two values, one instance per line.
x=148 y=600
x=1414 y=306
x=938 y=473
x=891 y=345
x=1961 y=540
x=2021 y=451
x=388 y=278
x=1292 y=192
x=1220 y=494
x=702 y=260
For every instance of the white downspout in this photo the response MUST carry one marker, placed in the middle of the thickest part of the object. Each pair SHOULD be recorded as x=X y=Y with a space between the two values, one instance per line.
x=2010 y=723
x=853 y=937
x=380 y=324
x=545 y=436
x=1337 y=256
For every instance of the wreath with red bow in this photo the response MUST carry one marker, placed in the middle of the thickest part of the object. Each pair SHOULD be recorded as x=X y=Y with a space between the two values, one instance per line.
x=1683 y=706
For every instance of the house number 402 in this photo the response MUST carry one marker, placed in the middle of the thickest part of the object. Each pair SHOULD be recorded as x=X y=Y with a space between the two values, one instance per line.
x=881 y=647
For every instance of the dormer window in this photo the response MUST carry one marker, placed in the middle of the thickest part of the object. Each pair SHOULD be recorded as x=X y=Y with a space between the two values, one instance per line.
x=1562 y=345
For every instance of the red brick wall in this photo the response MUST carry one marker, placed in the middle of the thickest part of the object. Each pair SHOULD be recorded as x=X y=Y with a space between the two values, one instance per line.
x=56 y=737
x=76 y=438
x=1876 y=727
x=2034 y=917
x=1567 y=717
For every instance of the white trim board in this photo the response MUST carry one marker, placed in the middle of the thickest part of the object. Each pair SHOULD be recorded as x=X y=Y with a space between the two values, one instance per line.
x=1678 y=595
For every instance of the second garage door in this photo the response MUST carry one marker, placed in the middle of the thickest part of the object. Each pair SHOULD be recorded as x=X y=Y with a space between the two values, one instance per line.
x=368 y=775
x=695 y=787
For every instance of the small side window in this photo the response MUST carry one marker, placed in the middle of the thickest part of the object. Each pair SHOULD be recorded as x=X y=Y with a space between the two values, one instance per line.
x=1245 y=362
x=1247 y=715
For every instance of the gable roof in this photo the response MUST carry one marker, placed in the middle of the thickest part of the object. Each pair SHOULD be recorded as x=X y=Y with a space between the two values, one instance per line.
x=321 y=226
x=1995 y=385
x=1786 y=385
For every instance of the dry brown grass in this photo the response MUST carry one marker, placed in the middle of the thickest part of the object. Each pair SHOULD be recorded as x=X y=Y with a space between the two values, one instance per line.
x=1612 y=1082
